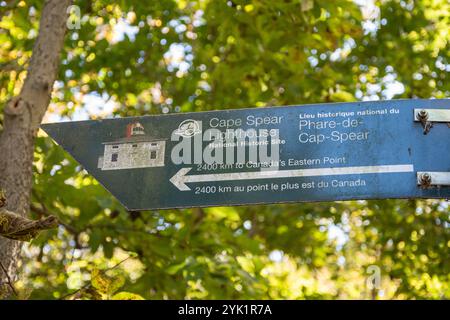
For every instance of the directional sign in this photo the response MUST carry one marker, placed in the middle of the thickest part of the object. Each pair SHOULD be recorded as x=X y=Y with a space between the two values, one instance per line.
x=321 y=152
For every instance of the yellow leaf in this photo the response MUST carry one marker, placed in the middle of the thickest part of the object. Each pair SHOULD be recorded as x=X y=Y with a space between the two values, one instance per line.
x=100 y=281
x=105 y=284
x=127 y=296
x=342 y=96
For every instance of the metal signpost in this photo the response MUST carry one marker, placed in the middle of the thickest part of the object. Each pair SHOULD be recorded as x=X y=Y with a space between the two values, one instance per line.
x=321 y=152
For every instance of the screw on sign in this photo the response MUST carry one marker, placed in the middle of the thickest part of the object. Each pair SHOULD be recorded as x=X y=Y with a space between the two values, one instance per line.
x=425 y=180
x=427 y=125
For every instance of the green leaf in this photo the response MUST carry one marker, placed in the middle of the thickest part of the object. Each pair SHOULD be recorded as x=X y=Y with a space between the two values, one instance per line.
x=173 y=269
x=127 y=296
x=108 y=249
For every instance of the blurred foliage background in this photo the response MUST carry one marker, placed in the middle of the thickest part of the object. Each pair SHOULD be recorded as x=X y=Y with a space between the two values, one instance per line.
x=133 y=57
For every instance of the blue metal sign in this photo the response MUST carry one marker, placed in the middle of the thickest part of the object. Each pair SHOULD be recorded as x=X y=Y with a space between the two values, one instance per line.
x=322 y=152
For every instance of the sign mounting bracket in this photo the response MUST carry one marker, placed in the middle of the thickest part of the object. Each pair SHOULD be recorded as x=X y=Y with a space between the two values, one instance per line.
x=429 y=116
x=429 y=179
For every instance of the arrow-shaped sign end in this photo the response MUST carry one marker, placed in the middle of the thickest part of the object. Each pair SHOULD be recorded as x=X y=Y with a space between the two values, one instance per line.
x=54 y=130
x=179 y=179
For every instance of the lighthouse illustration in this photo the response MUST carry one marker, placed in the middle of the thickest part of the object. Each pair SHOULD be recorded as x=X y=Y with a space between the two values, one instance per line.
x=135 y=150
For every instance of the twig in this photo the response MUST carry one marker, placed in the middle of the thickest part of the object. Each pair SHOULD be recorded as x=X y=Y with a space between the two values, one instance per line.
x=11 y=66
x=8 y=278
x=43 y=212
x=121 y=229
x=101 y=272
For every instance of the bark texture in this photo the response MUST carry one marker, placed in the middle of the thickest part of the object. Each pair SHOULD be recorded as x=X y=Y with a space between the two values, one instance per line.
x=22 y=117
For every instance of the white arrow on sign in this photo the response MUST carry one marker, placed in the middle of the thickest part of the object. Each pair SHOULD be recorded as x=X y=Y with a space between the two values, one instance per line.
x=180 y=178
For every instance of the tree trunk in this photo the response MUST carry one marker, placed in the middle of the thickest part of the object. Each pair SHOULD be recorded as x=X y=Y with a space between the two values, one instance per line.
x=22 y=117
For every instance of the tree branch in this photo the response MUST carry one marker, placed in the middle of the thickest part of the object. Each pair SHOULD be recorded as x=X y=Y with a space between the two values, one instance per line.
x=11 y=66
x=9 y=282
